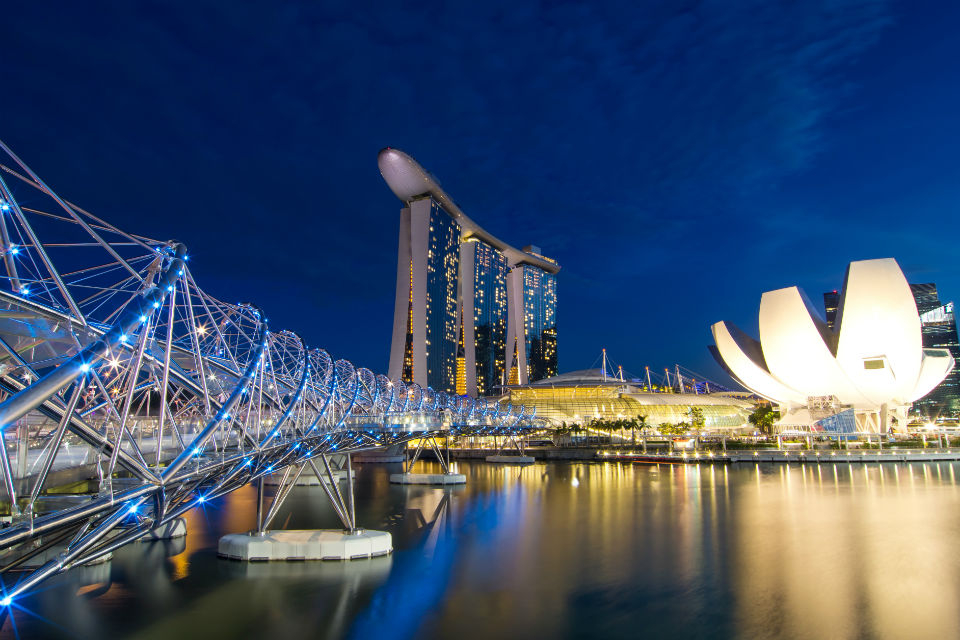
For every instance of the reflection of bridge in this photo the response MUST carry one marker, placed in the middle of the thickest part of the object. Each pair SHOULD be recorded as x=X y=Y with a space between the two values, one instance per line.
x=118 y=371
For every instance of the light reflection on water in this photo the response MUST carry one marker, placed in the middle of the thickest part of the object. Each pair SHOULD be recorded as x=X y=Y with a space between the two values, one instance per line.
x=559 y=550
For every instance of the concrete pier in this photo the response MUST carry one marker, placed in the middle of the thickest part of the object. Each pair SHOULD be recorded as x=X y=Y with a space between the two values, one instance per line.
x=428 y=478
x=376 y=457
x=306 y=479
x=511 y=459
x=292 y=546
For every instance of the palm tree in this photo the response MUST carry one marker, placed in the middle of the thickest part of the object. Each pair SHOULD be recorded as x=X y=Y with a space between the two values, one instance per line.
x=641 y=423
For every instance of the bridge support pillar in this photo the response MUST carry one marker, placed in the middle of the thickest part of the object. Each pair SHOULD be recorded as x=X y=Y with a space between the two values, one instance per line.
x=176 y=528
x=428 y=478
x=350 y=543
x=520 y=458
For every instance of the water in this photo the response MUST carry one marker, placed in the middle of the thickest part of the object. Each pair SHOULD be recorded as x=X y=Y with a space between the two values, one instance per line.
x=564 y=550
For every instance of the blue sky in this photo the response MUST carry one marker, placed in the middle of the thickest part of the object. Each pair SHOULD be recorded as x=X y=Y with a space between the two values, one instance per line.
x=678 y=159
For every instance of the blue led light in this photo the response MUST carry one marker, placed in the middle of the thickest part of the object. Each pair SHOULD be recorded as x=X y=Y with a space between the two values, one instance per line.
x=4 y=207
x=84 y=367
x=25 y=291
x=196 y=451
x=133 y=508
x=124 y=338
x=143 y=318
x=6 y=601
x=201 y=499
x=14 y=249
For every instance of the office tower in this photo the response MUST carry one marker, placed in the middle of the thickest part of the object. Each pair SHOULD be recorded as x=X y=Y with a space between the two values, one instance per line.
x=939 y=329
x=831 y=300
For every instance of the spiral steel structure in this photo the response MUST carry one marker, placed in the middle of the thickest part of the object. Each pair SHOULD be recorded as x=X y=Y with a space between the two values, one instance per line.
x=117 y=368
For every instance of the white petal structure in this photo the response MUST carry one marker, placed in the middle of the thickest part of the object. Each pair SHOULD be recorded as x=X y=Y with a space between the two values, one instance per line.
x=874 y=362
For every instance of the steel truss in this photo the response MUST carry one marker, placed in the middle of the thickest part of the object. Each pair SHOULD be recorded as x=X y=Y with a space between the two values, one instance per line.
x=118 y=371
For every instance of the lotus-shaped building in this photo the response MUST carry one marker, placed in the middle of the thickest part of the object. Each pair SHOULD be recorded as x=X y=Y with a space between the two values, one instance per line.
x=872 y=363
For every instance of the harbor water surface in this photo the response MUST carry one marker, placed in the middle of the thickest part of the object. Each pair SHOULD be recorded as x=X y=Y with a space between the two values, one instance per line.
x=557 y=550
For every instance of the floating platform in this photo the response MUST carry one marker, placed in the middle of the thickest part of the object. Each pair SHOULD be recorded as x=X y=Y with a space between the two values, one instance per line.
x=377 y=457
x=511 y=459
x=293 y=546
x=428 y=478
x=176 y=528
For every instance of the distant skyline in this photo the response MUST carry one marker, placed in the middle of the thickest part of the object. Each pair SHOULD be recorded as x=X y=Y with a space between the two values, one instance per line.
x=677 y=161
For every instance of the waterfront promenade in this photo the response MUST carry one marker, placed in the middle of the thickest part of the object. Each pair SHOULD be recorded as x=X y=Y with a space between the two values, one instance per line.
x=780 y=456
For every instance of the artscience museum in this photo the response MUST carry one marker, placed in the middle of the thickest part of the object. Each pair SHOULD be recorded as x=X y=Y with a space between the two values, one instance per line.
x=863 y=375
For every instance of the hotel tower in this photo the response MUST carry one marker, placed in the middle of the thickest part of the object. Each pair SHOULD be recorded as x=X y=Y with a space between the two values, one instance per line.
x=472 y=312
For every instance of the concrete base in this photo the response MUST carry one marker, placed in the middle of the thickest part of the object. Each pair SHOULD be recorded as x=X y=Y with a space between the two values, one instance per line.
x=305 y=545
x=428 y=478
x=376 y=457
x=51 y=554
x=306 y=479
x=173 y=529
x=511 y=459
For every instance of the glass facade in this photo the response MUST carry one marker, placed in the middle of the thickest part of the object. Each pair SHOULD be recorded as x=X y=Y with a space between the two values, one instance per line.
x=489 y=315
x=831 y=299
x=540 y=322
x=579 y=404
x=939 y=326
x=443 y=264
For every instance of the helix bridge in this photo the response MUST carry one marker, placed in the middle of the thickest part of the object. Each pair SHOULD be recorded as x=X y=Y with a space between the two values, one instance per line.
x=128 y=395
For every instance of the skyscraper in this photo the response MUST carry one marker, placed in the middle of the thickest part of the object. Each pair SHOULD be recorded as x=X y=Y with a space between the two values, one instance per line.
x=533 y=323
x=484 y=295
x=939 y=328
x=471 y=311
x=831 y=300
x=939 y=331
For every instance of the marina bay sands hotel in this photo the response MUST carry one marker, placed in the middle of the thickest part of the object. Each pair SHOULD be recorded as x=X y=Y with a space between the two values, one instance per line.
x=472 y=312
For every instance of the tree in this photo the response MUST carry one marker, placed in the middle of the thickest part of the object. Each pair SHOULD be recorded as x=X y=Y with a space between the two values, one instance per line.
x=697 y=421
x=677 y=429
x=763 y=418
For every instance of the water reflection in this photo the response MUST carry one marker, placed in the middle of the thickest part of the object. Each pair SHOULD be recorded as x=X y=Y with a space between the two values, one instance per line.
x=558 y=550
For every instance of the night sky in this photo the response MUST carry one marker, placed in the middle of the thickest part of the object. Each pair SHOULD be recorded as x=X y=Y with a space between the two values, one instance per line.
x=677 y=158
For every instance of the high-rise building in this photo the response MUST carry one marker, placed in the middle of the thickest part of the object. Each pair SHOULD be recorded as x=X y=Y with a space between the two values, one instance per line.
x=939 y=328
x=831 y=300
x=534 y=322
x=484 y=296
x=472 y=312
x=939 y=331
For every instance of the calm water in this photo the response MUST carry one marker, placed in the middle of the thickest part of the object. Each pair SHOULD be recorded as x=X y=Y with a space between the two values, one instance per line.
x=559 y=550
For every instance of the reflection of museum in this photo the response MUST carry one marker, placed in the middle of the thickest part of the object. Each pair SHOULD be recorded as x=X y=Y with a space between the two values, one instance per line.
x=862 y=374
x=581 y=396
